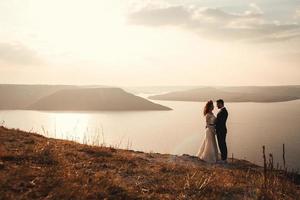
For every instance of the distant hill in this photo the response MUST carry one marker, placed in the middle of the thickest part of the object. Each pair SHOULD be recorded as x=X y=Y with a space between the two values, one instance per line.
x=21 y=96
x=70 y=97
x=234 y=94
x=283 y=91
x=94 y=99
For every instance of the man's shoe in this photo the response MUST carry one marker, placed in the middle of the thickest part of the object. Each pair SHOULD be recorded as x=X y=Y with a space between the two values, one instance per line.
x=222 y=161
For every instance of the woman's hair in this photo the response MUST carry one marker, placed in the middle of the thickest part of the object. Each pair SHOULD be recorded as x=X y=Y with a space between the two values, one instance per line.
x=208 y=107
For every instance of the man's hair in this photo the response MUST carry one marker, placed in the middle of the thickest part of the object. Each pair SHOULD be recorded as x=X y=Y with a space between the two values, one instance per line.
x=220 y=101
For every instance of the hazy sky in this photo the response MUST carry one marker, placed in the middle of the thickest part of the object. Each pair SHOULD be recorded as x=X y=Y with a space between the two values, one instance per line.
x=150 y=42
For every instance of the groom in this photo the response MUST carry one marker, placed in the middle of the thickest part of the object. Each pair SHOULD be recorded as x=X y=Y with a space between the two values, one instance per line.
x=221 y=129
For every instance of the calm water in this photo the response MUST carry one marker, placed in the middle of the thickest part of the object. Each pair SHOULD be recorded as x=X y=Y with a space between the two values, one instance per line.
x=251 y=125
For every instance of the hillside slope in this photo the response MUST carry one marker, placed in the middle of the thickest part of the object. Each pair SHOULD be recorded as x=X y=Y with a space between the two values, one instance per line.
x=35 y=167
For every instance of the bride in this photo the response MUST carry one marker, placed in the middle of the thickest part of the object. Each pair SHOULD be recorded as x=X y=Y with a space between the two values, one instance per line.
x=208 y=151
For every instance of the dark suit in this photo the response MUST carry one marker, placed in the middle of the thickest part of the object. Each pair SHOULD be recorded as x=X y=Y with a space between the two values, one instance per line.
x=221 y=130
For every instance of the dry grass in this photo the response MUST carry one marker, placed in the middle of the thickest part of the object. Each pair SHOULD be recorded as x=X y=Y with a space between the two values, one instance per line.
x=35 y=167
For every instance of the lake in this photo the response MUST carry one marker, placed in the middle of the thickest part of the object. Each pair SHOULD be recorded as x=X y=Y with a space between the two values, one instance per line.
x=180 y=131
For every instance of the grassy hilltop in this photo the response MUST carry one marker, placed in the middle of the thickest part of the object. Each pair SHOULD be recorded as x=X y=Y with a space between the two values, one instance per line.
x=36 y=167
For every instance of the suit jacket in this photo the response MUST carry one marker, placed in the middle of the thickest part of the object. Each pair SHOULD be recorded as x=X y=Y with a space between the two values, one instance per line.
x=221 y=121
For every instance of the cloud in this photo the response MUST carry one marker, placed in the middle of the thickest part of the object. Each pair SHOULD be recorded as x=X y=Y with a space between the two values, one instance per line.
x=297 y=13
x=255 y=9
x=160 y=16
x=215 y=23
x=18 y=54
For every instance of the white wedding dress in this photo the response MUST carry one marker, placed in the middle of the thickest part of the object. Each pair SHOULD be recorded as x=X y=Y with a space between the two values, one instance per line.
x=209 y=151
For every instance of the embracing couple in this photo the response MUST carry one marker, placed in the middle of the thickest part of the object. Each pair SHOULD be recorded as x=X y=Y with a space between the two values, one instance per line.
x=215 y=126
